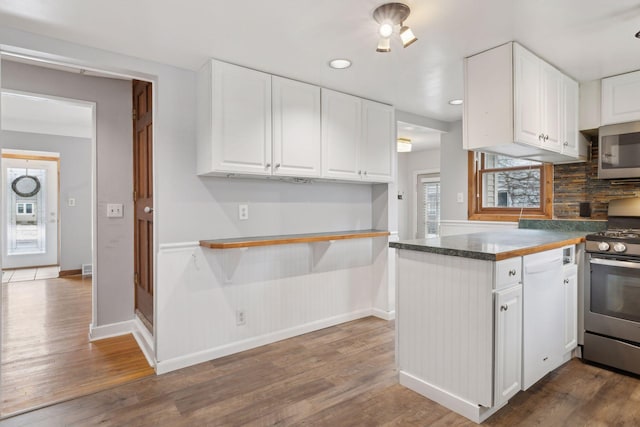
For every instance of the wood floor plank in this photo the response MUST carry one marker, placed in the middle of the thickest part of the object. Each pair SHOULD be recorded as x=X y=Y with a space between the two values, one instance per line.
x=46 y=355
x=340 y=376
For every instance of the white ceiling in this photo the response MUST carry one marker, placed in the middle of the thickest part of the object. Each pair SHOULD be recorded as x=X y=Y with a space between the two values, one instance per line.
x=34 y=114
x=422 y=138
x=587 y=39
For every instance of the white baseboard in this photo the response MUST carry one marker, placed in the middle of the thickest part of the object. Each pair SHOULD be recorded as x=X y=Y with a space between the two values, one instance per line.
x=110 y=330
x=475 y=413
x=384 y=315
x=164 y=366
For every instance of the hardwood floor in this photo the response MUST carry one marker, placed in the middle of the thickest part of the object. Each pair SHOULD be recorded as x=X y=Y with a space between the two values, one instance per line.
x=339 y=376
x=46 y=354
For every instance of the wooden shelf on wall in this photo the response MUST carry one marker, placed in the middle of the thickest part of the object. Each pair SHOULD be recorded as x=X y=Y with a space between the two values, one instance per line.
x=246 y=242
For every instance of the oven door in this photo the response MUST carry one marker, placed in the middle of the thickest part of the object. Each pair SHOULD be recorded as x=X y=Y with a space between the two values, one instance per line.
x=612 y=298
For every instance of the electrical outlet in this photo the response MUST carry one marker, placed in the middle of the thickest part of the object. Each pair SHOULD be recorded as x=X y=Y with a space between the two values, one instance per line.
x=240 y=317
x=114 y=210
x=243 y=212
x=71 y=202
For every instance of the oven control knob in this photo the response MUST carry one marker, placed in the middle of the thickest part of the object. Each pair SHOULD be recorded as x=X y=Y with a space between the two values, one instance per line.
x=603 y=246
x=619 y=247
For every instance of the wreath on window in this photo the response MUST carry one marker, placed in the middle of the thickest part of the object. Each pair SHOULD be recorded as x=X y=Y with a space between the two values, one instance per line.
x=26 y=185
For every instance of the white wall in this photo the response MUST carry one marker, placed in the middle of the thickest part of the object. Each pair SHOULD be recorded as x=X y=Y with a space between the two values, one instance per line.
x=75 y=181
x=114 y=174
x=408 y=165
x=453 y=174
x=189 y=208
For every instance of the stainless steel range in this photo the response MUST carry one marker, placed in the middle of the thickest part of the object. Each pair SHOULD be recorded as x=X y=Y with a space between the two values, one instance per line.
x=612 y=290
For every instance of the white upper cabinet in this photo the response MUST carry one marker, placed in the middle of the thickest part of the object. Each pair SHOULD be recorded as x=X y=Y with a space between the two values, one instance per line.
x=516 y=104
x=253 y=123
x=357 y=138
x=376 y=146
x=571 y=136
x=621 y=98
x=296 y=128
x=341 y=133
x=234 y=112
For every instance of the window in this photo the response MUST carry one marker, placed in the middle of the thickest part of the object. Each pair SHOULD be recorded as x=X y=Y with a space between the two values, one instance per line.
x=503 y=188
x=428 y=205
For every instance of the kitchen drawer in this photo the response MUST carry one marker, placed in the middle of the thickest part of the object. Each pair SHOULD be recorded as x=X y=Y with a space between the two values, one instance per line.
x=508 y=272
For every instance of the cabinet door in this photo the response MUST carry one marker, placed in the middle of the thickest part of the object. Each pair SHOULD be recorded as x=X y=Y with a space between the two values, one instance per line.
x=508 y=342
x=552 y=111
x=241 y=120
x=570 y=128
x=527 y=97
x=377 y=143
x=570 y=308
x=341 y=132
x=296 y=128
x=621 y=98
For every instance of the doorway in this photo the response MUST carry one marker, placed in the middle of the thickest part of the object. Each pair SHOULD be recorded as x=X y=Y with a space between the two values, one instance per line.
x=428 y=191
x=30 y=194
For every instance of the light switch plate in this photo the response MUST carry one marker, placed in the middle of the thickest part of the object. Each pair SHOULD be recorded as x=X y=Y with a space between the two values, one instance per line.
x=114 y=210
x=460 y=198
x=71 y=201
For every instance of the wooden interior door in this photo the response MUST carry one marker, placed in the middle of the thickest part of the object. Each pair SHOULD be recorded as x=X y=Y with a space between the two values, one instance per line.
x=143 y=200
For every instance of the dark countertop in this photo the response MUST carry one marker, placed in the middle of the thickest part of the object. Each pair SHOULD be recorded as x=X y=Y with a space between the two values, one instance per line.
x=494 y=245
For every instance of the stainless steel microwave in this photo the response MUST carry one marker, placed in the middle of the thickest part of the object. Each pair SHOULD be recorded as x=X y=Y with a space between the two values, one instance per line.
x=619 y=151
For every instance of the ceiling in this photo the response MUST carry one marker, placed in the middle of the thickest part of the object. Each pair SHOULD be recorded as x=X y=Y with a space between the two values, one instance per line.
x=35 y=114
x=422 y=138
x=587 y=39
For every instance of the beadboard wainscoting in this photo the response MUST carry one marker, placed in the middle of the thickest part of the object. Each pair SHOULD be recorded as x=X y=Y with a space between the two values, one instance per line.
x=215 y=302
x=462 y=327
x=451 y=228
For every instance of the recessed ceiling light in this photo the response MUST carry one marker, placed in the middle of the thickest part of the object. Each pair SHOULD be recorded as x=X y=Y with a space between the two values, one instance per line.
x=638 y=35
x=339 y=63
x=456 y=102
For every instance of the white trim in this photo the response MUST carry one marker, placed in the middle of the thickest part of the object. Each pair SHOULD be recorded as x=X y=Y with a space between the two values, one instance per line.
x=180 y=245
x=475 y=413
x=145 y=341
x=164 y=366
x=110 y=330
x=414 y=197
x=384 y=315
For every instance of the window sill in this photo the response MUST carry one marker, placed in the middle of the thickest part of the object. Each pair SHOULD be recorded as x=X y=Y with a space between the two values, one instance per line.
x=505 y=217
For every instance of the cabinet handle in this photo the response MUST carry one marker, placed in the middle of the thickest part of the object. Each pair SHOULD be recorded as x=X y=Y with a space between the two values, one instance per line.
x=512 y=273
x=504 y=307
x=267 y=166
x=277 y=165
x=566 y=144
x=365 y=172
x=359 y=172
x=546 y=137
x=566 y=281
x=540 y=137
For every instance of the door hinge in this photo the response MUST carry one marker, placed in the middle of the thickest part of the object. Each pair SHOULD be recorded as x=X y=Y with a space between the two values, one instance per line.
x=134 y=114
x=135 y=196
x=135 y=279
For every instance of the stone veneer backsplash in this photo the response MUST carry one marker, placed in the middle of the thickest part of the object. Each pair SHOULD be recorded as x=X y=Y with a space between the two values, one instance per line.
x=578 y=182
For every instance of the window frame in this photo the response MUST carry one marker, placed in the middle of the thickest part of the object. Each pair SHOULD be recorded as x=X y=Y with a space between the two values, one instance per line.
x=478 y=213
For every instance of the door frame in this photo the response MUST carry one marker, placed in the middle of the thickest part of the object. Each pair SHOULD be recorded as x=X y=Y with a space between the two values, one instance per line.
x=9 y=153
x=414 y=197
x=105 y=70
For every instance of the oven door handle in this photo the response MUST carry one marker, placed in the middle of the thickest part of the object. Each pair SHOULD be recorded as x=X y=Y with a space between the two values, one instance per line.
x=615 y=263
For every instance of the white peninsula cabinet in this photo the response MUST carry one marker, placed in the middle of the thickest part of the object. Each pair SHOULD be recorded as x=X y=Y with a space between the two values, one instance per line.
x=463 y=322
x=519 y=105
x=357 y=138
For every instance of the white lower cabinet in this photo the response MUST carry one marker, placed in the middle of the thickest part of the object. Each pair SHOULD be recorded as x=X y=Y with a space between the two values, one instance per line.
x=508 y=343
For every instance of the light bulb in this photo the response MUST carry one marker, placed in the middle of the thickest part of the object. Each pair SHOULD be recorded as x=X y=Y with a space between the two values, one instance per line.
x=386 y=29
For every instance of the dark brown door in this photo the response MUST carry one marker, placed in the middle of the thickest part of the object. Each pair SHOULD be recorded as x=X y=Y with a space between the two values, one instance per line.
x=143 y=199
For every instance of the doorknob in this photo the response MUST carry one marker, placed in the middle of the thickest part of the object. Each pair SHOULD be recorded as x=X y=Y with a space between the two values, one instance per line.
x=147 y=209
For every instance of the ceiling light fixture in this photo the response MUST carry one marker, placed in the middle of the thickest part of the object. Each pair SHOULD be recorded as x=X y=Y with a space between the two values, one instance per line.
x=339 y=63
x=456 y=102
x=638 y=35
x=404 y=145
x=388 y=16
